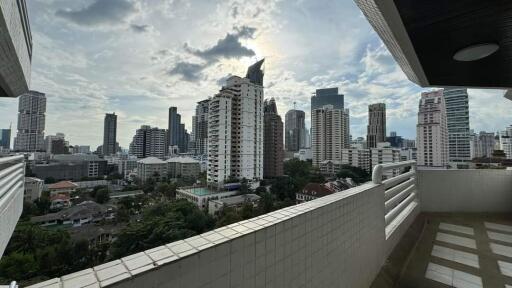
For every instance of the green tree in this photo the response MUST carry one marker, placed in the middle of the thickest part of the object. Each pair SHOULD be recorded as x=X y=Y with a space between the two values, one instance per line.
x=357 y=174
x=17 y=266
x=102 y=196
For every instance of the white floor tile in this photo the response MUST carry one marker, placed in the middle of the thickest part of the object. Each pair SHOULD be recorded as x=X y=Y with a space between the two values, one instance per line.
x=500 y=236
x=500 y=227
x=452 y=277
x=462 y=257
x=439 y=273
x=501 y=249
x=457 y=228
x=505 y=268
x=457 y=240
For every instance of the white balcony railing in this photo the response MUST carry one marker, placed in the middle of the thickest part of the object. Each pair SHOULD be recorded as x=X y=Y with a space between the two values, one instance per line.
x=12 y=185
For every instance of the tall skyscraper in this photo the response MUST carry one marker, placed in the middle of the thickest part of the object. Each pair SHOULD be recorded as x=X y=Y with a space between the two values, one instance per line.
x=328 y=96
x=200 y=128
x=235 y=129
x=109 y=134
x=432 y=130
x=149 y=142
x=328 y=134
x=178 y=135
x=295 y=130
x=506 y=142
x=5 y=138
x=273 y=150
x=31 y=122
x=457 y=117
x=376 y=124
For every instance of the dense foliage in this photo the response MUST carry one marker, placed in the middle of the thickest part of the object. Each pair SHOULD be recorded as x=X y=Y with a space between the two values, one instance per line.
x=357 y=174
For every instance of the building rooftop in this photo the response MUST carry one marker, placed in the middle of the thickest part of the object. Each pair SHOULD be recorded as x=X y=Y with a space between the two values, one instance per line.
x=63 y=185
x=182 y=160
x=151 y=160
x=84 y=209
x=238 y=199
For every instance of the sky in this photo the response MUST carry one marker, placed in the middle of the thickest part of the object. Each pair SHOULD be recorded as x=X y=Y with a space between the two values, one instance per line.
x=138 y=57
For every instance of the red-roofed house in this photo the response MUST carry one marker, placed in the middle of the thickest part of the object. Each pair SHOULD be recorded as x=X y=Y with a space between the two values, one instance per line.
x=62 y=187
x=312 y=191
x=59 y=201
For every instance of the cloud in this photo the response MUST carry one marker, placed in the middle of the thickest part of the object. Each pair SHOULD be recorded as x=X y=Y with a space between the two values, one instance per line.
x=100 y=12
x=143 y=28
x=188 y=71
x=227 y=47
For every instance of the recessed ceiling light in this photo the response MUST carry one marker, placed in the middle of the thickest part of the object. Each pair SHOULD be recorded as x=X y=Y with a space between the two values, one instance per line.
x=476 y=52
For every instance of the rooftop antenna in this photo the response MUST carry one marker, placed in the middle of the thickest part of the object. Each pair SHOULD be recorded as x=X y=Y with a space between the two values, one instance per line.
x=294 y=105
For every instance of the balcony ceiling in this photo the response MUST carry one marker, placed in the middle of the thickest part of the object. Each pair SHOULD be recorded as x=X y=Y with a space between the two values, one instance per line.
x=430 y=32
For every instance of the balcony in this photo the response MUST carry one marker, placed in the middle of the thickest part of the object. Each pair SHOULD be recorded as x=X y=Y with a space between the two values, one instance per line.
x=12 y=185
x=423 y=228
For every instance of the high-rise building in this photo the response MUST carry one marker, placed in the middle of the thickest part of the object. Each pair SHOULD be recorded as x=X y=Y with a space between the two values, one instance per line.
x=328 y=96
x=295 y=130
x=328 y=134
x=395 y=140
x=432 y=130
x=109 y=134
x=273 y=150
x=235 y=129
x=15 y=48
x=200 y=128
x=5 y=138
x=376 y=124
x=178 y=135
x=457 y=119
x=56 y=144
x=149 y=142
x=482 y=144
x=506 y=142
x=31 y=122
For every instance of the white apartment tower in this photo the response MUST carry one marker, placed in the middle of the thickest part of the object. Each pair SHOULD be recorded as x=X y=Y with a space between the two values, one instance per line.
x=31 y=122
x=329 y=133
x=457 y=117
x=432 y=130
x=235 y=129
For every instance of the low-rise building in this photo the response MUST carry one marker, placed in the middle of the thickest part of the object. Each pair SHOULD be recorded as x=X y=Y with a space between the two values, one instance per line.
x=125 y=194
x=236 y=202
x=356 y=158
x=80 y=214
x=201 y=195
x=315 y=190
x=33 y=189
x=383 y=156
x=151 y=167
x=304 y=154
x=330 y=167
x=312 y=191
x=62 y=187
x=60 y=201
x=183 y=167
x=407 y=154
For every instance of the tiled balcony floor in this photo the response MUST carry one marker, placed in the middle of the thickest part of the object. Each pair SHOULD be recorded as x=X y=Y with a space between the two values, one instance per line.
x=460 y=250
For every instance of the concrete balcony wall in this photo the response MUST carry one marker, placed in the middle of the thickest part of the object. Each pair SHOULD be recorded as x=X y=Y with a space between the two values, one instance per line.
x=337 y=240
x=12 y=185
x=472 y=190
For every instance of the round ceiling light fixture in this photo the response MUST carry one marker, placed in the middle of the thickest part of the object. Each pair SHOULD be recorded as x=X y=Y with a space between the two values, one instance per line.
x=476 y=52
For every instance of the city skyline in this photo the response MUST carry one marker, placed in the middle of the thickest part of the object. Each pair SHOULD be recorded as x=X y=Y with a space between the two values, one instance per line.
x=91 y=78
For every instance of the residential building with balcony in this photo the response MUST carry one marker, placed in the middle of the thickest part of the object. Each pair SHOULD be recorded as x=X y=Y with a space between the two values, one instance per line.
x=235 y=130
x=149 y=142
x=273 y=150
x=328 y=134
x=33 y=189
x=482 y=144
x=183 y=167
x=432 y=130
x=31 y=122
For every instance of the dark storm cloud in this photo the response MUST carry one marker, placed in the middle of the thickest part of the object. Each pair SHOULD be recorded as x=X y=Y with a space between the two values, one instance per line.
x=188 y=71
x=100 y=12
x=227 y=47
x=140 y=28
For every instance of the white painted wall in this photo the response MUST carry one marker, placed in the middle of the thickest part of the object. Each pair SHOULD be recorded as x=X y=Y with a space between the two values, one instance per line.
x=472 y=190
